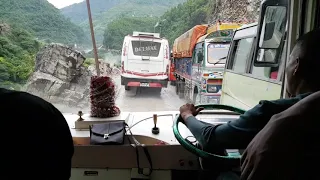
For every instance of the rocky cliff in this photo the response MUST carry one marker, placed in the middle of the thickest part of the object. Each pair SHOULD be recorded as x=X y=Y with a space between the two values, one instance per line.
x=59 y=76
x=246 y=11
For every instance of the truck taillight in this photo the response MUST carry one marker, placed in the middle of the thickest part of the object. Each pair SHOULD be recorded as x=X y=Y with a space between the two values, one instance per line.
x=167 y=70
x=122 y=66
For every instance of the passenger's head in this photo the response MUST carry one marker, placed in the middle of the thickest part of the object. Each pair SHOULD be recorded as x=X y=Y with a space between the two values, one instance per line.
x=36 y=139
x=304 y=65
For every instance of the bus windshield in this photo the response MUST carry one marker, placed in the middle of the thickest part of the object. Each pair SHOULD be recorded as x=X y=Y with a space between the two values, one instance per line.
x=217 y=52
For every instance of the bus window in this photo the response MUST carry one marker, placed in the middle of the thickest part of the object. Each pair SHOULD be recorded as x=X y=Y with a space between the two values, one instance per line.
x=265 y=72
x=242 y=52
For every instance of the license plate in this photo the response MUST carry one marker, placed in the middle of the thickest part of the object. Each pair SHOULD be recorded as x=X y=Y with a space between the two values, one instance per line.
x=144 y=84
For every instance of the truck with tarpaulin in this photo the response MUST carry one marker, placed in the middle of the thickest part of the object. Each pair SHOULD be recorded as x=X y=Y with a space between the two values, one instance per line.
x=200 y=55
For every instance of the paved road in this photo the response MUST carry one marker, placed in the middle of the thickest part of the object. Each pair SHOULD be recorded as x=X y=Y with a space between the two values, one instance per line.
x=146 y=99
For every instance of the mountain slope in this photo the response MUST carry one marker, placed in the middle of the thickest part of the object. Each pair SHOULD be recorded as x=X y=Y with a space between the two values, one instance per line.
x=184 y=16
x=17 y=54
x=41 y=19
x=78 y=12
x=105 y=12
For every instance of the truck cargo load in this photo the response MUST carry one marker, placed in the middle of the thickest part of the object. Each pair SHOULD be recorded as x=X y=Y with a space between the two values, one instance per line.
x=183 y=46
x=222 y=26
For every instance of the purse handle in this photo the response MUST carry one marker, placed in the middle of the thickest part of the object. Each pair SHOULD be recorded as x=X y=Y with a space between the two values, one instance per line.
x=136 y=144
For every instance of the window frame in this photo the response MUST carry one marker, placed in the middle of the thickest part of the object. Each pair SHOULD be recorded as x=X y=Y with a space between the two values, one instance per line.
x=236 y=44
x=232 y=51
x=250 y=61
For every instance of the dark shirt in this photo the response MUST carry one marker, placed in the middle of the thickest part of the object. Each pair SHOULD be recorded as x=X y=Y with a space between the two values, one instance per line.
x=237 y=134
x=35 y=136
x=287 y=147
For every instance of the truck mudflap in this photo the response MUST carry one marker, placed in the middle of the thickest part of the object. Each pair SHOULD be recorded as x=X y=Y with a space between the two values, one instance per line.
x=152 y=83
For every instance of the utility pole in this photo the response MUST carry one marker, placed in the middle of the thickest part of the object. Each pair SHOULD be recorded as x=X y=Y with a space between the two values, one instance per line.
x=93 y=39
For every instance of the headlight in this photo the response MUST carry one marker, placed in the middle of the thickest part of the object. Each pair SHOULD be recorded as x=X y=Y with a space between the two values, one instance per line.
x=212 y=89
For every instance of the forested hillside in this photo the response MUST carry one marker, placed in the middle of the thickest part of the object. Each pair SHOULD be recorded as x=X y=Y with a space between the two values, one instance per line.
x=17 y=53
x=173 y=23
x=105 y=11
x=182 y=17
x=116 y=30
x=41 y=19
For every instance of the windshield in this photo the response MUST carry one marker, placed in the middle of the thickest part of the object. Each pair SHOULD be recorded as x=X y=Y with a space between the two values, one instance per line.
x=217 y=53
x=48 y=49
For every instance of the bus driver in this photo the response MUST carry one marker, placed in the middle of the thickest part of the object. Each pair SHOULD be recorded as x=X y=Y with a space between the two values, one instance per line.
x=237 y=134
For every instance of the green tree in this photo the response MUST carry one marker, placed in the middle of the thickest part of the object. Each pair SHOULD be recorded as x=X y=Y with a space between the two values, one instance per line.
x=118 y=29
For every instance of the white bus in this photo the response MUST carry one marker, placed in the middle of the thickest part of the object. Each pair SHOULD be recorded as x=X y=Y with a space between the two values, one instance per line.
x=244 y=83
x=145 y=61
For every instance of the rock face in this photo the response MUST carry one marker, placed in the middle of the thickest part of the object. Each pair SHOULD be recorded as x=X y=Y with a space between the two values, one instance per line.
x=60 y=77
x=4 y=28
x=246 y=11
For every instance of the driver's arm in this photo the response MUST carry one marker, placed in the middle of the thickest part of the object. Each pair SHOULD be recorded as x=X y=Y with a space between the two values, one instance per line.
x=237 y=134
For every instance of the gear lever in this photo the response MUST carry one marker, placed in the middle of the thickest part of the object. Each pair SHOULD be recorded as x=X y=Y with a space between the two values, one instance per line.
x=155 y=129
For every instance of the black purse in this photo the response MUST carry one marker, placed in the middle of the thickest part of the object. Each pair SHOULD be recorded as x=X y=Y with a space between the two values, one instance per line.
x=113 y=133
x=110 y=133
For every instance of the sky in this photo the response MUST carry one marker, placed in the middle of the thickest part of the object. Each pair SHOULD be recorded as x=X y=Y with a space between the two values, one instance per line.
x=63 y=3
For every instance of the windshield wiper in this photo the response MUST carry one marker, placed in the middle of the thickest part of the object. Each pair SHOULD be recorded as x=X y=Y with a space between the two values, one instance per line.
x=220 y=60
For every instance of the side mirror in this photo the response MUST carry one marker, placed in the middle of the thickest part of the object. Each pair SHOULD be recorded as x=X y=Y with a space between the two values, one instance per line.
x=271 y=33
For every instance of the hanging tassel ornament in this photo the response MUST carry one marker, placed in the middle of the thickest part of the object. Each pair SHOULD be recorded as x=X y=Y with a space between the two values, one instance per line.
x=102 y=96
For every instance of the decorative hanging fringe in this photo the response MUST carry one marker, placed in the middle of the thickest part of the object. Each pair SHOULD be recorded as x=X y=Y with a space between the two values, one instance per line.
x=102 y=96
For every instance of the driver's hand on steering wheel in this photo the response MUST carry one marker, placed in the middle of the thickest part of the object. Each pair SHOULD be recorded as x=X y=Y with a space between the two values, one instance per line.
x=188 y=110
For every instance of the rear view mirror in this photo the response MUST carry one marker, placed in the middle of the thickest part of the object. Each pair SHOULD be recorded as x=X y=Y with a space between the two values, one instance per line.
x=268 y=31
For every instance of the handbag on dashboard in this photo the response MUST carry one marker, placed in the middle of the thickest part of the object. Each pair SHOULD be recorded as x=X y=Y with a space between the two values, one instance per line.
x=113 y=133
x=110 y=133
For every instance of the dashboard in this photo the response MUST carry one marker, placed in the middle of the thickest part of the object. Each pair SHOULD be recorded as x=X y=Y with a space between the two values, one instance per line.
x=169 y=160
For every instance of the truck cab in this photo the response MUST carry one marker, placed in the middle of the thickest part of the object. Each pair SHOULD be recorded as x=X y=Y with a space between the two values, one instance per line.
x=209 y=60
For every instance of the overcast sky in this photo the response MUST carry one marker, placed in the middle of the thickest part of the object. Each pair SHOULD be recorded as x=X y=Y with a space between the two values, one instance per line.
x=63 y=3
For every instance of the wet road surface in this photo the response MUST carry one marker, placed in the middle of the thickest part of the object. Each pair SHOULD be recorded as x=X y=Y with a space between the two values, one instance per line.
x=145 y=99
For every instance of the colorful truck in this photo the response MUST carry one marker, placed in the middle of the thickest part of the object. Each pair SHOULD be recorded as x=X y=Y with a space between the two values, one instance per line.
x=199 y=59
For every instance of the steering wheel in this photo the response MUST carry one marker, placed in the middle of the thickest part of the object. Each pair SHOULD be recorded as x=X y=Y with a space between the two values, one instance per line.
x=230 y=160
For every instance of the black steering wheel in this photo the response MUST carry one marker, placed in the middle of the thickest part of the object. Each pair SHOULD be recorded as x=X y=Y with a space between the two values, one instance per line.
x=231 y=160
